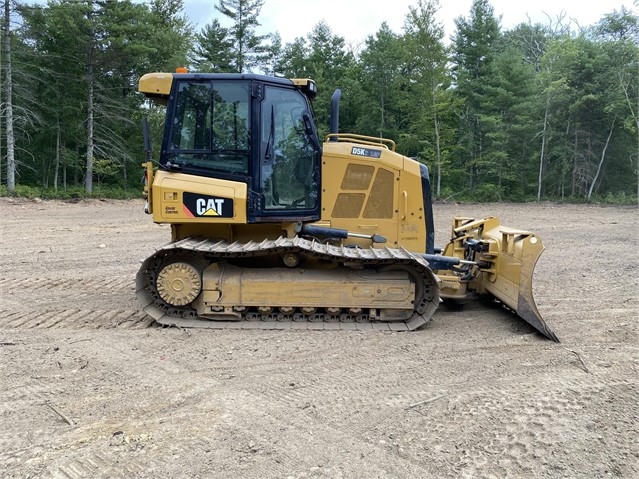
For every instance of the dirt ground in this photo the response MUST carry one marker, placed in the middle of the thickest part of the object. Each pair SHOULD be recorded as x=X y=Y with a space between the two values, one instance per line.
x=90 y=387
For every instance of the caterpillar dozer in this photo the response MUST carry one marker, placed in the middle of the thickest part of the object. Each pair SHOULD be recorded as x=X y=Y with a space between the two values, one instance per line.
x=273 y=228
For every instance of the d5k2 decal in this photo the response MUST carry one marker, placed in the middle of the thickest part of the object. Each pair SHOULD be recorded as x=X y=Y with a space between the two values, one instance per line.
x=204 y=205
x=359 y=151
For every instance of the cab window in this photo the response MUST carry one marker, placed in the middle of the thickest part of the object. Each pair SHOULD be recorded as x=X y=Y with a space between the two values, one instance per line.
x=211 y=126
x=289 y=166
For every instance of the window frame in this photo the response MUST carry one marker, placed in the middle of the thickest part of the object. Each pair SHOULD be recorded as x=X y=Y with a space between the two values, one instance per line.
x=205 y=166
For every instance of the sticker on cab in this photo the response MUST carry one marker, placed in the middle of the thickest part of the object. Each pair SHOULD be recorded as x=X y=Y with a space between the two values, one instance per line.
x=368 y=152
x=207 y=206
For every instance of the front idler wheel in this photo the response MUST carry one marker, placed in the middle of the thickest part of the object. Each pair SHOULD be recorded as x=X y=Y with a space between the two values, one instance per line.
x=179 y=283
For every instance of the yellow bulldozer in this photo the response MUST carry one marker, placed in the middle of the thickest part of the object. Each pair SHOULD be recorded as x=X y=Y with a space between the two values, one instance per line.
x=275 y=228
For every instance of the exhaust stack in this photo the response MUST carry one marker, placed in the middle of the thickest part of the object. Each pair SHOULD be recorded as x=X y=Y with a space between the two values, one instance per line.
x=334 y=126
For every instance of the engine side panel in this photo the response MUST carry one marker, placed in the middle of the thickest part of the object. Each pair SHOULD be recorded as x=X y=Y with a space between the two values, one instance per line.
x=371 y=190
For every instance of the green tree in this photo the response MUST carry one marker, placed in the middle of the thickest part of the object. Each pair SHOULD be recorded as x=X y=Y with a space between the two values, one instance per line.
x=475 y=43
x=531 y=40
x=323 y=57
x=294 y=60
x=212 y=50
x=536 y=106
x=56 y=61
x=383 y=80
x=88 y=56
x=620 y=32
x=429 y=105
x=170 y=36
x=249 y=50
x=506 y=118
x=580 y=70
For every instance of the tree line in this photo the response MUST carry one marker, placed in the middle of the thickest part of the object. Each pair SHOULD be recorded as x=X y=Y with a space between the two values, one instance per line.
x=536 y=112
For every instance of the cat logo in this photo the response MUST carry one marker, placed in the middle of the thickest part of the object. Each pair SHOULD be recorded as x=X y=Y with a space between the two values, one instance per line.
x=207 y=206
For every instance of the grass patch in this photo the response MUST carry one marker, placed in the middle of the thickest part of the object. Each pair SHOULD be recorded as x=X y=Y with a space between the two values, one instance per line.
x=73 y=193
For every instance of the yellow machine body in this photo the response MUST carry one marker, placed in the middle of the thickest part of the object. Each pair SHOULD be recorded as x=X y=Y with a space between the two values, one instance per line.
x=384 y=197
x=356 y=251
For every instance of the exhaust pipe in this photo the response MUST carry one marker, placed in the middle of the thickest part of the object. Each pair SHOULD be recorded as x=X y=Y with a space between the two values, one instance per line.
x=334 y=125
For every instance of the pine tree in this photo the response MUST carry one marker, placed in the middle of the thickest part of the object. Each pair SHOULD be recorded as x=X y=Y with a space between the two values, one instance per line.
x=384 y=80
x=212 y=50
x=426 y=65
x=249 y=50
x=87 y=57
x=475 y=46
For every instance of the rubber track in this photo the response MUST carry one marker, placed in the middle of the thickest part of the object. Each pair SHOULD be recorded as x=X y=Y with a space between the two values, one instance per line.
x=219 y=250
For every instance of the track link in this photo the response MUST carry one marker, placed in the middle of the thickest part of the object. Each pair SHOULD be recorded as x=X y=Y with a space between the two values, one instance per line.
x=206 y=251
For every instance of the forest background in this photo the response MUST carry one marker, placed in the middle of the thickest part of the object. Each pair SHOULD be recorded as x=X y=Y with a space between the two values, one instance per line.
x=537 y=112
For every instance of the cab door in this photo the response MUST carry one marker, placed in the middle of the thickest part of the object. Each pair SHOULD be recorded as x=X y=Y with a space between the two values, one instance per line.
x=288 y=177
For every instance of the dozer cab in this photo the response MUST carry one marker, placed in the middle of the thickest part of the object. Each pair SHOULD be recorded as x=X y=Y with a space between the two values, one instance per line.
x=274 y=228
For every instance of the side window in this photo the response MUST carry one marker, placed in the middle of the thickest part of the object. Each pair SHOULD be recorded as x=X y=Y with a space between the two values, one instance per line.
x=192 y=117
x=211 y=126
x=231 y=121
x=289 y=160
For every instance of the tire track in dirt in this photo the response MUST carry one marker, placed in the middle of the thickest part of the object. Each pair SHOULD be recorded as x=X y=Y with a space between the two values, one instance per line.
x=73 y=285
x=56 y=303
x=11 y=457
x=296 y=425
x=369 y=407
x=18 y=397
x=346 y=405
x=99 y=465
x=241 y=418
x=528 y=424
x=316 y=404
x=94 y=450
x=145 y=435
x=74 y=319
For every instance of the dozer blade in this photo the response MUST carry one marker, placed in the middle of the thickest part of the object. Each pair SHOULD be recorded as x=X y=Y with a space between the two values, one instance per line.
x=507 y=270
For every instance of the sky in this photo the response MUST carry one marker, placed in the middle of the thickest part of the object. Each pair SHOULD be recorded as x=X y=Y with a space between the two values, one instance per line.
x=354 y=20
